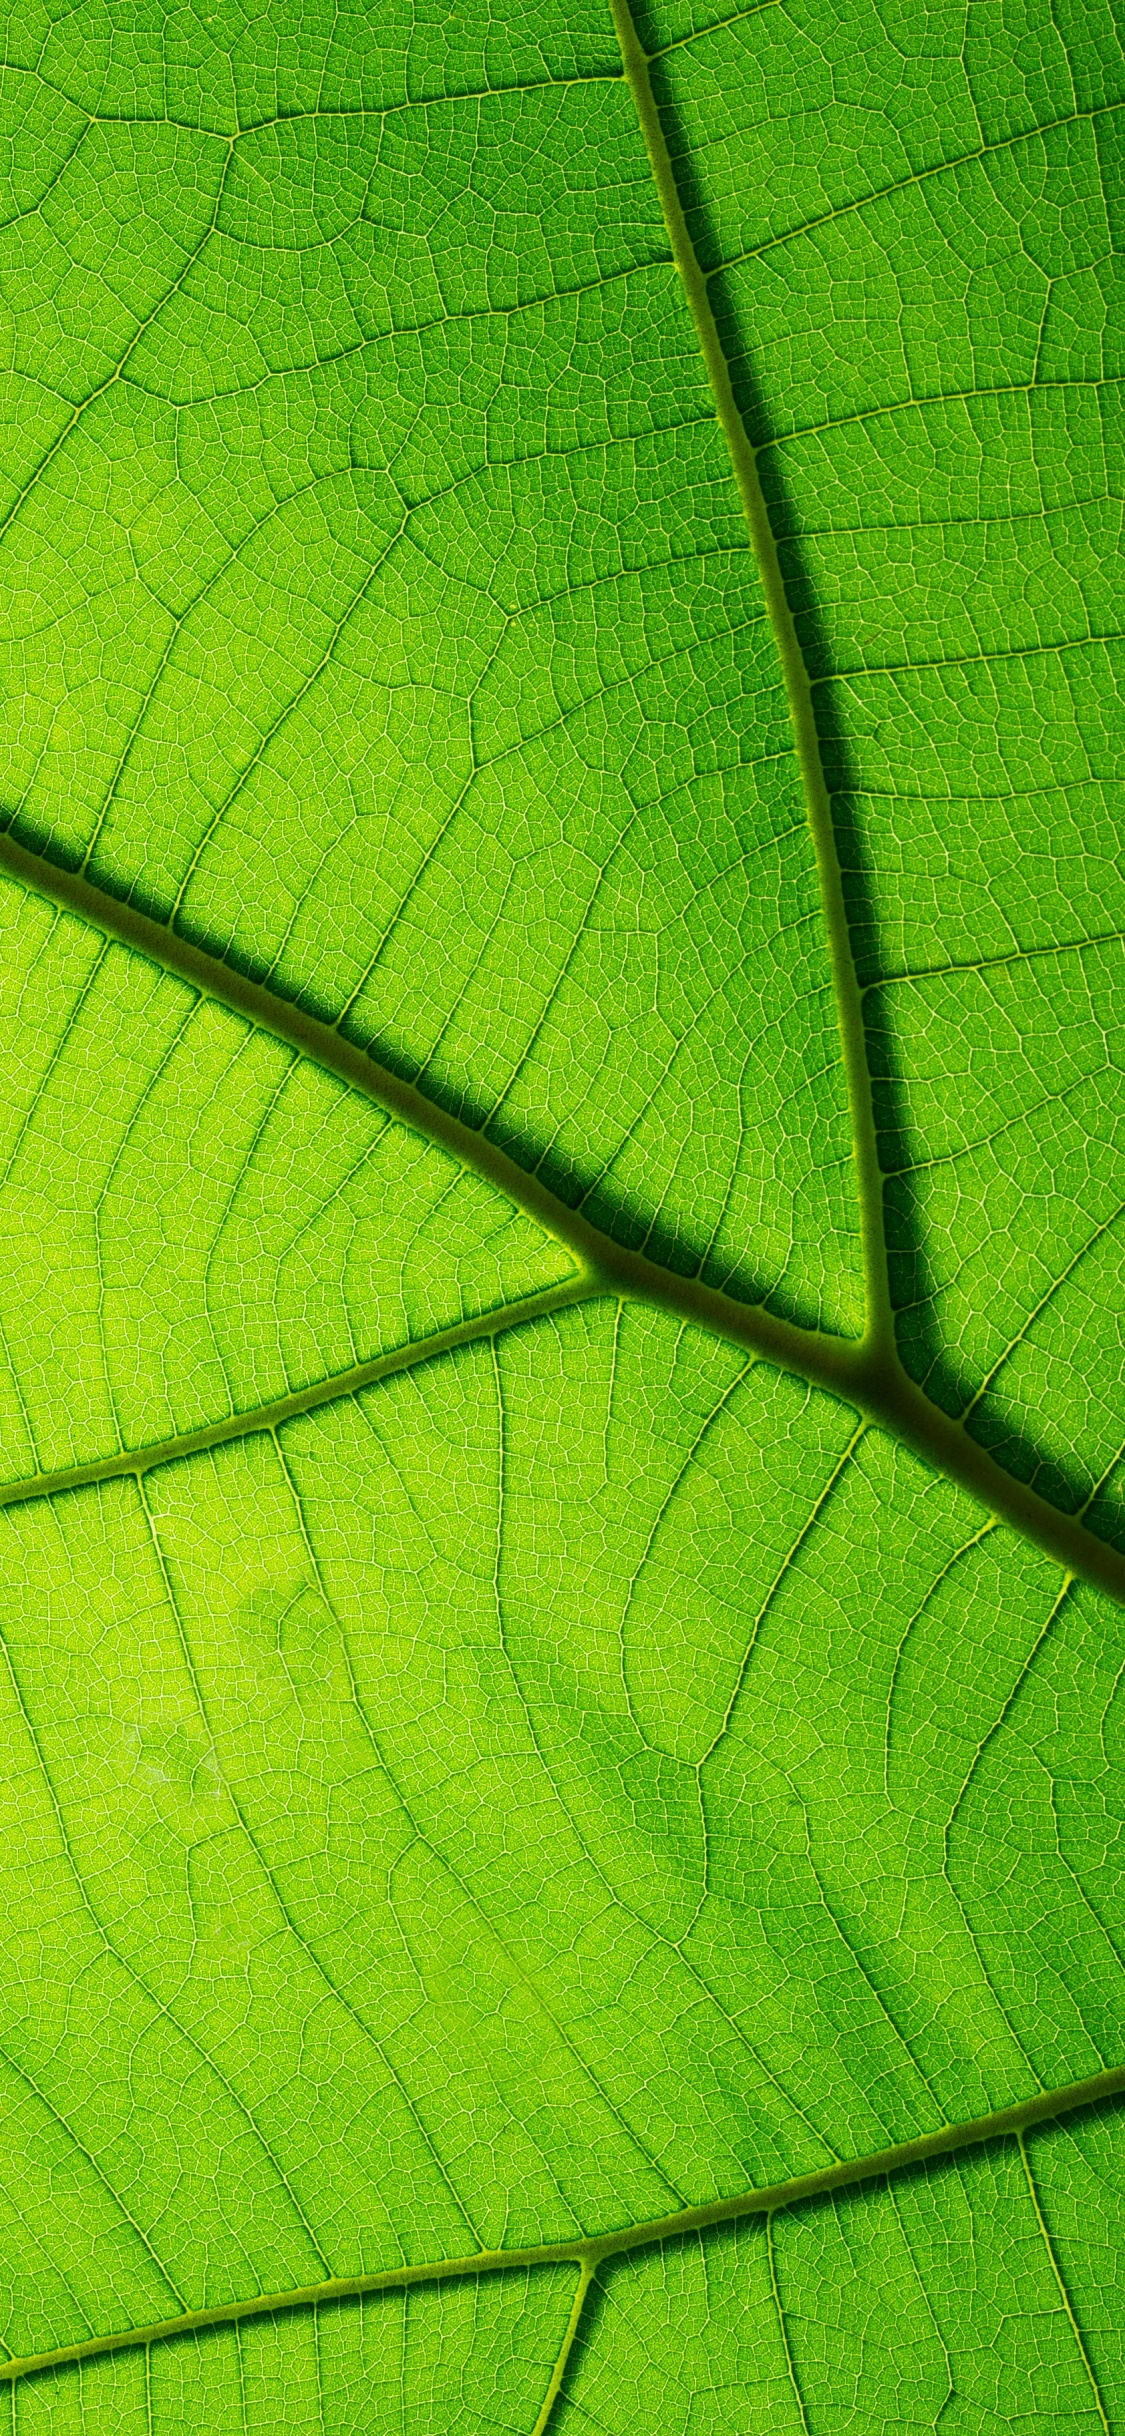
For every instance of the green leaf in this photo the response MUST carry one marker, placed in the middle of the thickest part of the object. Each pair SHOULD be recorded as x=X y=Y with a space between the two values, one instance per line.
x=560 y=1347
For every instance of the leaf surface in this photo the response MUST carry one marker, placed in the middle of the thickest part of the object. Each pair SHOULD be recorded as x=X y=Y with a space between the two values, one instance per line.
x=560 y=1194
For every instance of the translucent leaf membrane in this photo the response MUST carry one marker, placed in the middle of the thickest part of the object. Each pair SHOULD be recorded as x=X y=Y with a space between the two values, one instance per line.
x=382 y=611
x=947 y=2299
x=588 y=1775
x=911 y=244
x=194 y=1221
x=476 y=2357
x=500 y=1810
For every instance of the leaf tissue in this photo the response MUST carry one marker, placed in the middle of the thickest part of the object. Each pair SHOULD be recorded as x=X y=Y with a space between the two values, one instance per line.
x=562 y=1444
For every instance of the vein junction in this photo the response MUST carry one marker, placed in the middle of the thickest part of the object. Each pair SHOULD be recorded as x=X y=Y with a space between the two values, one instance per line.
x=589 y=2255
x=865 y=1371
x=270 y=1417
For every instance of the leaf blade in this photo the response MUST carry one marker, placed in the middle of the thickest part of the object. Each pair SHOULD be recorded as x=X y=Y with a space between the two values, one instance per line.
x=583 y=1772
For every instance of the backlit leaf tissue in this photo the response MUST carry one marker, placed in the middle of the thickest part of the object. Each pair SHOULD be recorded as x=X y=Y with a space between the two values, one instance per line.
x=562 y=1219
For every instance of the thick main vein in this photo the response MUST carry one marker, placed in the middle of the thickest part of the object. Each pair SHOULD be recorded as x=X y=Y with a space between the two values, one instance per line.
x=866 y=1373
x=798 y=689
x=1007 y=2122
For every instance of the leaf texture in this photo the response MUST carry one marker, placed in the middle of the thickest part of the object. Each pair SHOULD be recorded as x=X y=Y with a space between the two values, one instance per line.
x=560 y=1195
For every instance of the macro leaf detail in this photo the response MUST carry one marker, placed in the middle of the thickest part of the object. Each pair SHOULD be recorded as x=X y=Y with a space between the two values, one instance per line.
x=560 y=1190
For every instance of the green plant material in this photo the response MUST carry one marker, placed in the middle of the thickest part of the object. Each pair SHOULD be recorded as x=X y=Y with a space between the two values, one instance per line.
x=560 y=1313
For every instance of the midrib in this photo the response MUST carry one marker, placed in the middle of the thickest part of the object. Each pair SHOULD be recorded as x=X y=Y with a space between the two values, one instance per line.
x=1009 y=2122
x=866 y=1372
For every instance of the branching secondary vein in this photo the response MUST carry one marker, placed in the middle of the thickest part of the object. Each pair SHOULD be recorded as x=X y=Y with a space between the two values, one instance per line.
x=1008 y=2122
x=270 y=1417
x=866 y=1373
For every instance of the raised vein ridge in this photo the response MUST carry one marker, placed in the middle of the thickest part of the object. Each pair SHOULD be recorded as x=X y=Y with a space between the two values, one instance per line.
x=1006 y=2123
x=867 y=1372
x=798 y=688
x=329 y=1390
